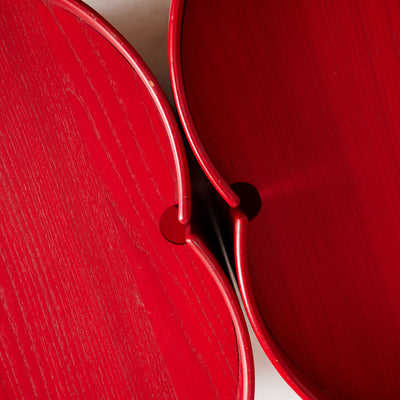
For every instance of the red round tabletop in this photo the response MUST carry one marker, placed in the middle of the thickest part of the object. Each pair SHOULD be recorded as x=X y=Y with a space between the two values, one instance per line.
x=94 y=301
x=296 y=104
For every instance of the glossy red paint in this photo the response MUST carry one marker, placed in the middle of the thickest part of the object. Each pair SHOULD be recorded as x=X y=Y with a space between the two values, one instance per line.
x=301 y=100
x=94 y=301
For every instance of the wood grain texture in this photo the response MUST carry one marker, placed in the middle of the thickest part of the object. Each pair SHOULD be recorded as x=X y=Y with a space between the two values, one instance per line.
x=301 y=100
x=94 y=302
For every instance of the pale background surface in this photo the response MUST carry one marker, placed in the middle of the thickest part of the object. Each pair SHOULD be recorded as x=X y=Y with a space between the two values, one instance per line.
x=145 y=24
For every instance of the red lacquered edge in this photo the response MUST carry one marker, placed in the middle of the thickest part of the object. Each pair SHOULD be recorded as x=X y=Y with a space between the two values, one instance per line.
x=245 y=389
x=93 y=19
x=283 y=365
x=178 y=89
x=295 y=380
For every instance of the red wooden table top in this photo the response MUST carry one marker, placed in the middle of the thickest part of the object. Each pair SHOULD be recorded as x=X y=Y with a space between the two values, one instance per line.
x=301 y=99
x=94 y=301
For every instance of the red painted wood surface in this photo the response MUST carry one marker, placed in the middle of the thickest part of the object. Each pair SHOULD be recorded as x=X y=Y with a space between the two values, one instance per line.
x=301 y=99
x=94 y=301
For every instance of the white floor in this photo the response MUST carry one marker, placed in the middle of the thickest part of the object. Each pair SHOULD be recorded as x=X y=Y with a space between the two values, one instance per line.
x=145 y=24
